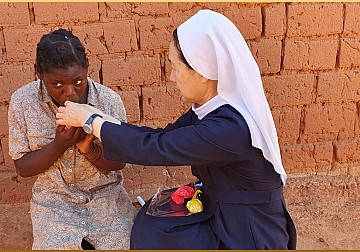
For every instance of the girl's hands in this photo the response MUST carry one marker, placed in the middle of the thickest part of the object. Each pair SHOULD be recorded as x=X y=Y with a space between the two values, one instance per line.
x=65 y=138
x=86 y=145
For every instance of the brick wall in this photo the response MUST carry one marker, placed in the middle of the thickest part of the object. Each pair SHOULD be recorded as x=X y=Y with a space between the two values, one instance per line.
x=308 y=54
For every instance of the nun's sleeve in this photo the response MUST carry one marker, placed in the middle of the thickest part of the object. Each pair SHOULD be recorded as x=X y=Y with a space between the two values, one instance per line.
x=211 y=141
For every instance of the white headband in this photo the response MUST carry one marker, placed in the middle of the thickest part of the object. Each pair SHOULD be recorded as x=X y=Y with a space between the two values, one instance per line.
x=215 y=48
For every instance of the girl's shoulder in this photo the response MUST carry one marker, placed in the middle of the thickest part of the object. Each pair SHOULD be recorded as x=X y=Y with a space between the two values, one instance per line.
x=29 y=93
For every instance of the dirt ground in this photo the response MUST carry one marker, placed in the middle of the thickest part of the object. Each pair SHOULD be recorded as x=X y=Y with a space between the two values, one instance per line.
x=325 y=211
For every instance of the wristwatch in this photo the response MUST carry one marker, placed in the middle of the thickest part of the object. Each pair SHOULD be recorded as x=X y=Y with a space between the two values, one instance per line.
x=87 y=125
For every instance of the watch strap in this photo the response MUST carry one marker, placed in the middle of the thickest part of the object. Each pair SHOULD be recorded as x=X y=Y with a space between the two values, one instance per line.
x=87 y=125
x=91 y=118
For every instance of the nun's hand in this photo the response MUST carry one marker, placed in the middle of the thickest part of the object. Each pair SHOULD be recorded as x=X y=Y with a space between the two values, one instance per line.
x=75 y=114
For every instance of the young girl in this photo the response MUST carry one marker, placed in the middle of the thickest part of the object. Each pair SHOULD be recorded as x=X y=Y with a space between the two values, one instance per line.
x=77 y=195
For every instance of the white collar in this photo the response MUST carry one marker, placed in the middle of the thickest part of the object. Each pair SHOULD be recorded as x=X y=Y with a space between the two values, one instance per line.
x=208 y=107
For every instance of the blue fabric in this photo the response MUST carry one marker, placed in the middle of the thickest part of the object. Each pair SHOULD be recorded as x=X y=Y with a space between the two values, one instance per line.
x=220 y=153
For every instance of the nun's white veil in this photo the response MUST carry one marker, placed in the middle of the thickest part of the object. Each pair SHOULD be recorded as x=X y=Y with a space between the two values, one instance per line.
x=215 y=48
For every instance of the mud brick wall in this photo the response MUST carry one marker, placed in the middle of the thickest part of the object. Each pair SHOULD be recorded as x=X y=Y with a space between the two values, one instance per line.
x=308 y=54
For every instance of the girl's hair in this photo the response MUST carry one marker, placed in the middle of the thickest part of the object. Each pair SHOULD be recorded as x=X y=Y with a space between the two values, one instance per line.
x=59 y=49
x=177 y=44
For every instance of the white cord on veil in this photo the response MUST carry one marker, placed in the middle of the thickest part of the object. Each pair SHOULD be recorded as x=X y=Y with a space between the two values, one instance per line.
x=215 y=48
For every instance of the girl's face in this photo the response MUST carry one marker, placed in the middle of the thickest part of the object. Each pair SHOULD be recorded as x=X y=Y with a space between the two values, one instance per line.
x=191 y=84
x=66 y=84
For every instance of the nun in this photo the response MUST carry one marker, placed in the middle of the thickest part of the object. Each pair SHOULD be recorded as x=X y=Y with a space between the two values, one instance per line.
x=228 y=137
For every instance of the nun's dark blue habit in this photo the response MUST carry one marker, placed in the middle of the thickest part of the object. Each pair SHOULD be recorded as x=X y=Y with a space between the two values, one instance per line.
x=244 y=206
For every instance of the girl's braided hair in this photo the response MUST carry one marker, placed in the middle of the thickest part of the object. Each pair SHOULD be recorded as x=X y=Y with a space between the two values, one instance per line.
x=59 y=49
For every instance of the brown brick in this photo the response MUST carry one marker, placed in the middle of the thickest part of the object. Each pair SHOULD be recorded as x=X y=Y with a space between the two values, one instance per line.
x=352 y=20
x=2 y=160
x=120 y=36
x=151 y=9
x=14 y=14
x=65 y=12
x=339 y=169
x=267 y=54
x=275 y=19
x=112 y=37
x=139 y=180
x=131 y=71
x=4 y=127
x=307 y=158
x=289 y=90
x=131 y=103
x=21 y=42
x=354 y=170
x=168 y=68
x=357 y=121
x=135 y=88
x=155 y=33
x=347 y=151
x=314 y=19
x=161 y=102
x=338 y=86
x=329 y=122
x=310 y=55
x=5 y=148
x=190 y=8
x=349 y=52
x=2 y=47
x=323 y=154
x=287 y=122
x=219 y=6
x=94 y=68
x=24 y=74
x=114 y=10
x=248 y=20
x=184 y=9
x=92 y=37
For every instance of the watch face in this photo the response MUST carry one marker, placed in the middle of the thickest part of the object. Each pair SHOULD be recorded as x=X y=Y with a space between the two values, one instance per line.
x=87 y=128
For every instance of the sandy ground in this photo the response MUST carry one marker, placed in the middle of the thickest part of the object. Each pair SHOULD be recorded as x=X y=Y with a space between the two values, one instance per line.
x=325 y=211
